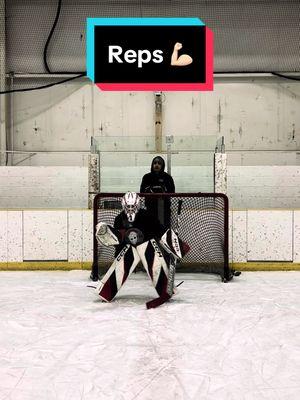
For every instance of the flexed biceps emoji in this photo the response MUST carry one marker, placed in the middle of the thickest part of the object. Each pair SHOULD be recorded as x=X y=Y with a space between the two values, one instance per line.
x=182 y=60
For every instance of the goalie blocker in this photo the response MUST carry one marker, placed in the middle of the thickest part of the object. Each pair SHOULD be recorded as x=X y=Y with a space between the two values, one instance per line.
x=173 y=245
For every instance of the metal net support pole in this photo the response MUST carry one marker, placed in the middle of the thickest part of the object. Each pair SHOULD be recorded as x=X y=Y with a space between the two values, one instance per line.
x=3 y=145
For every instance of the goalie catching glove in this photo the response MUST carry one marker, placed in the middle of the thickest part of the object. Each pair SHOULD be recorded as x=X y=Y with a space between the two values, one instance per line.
x=107 y=235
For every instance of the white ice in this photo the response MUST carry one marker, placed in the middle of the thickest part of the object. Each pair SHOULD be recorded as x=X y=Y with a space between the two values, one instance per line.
x=233 y=341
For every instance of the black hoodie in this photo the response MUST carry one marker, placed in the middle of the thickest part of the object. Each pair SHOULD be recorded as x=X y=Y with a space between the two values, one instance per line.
x=158 y=182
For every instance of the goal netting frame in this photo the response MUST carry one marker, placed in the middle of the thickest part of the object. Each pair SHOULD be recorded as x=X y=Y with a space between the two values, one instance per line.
x=203 y=224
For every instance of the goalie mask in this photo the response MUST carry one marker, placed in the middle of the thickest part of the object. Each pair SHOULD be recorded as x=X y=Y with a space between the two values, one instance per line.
x=131 y=205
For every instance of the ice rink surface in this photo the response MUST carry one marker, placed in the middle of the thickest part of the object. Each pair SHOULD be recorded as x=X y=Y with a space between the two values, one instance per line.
x=239 y=340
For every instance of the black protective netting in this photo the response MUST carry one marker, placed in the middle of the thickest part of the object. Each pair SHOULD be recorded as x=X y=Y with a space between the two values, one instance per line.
x=203 y=224
x=252 y=35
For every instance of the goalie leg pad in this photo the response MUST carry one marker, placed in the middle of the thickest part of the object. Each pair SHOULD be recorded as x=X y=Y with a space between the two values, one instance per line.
x=123 y=265
x=154 y=263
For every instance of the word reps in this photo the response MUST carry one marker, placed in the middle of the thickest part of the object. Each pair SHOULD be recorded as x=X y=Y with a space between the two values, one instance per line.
x=117 y=54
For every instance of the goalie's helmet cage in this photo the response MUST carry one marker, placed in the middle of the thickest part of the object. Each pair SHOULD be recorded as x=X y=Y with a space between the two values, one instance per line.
x=131 y=202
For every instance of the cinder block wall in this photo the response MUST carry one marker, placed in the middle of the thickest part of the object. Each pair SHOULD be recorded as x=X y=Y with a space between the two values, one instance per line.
x=43 y=187
x=264 y=186
x=67 y=187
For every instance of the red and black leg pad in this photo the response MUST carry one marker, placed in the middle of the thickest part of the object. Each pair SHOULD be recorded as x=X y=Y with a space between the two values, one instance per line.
x=123 y=265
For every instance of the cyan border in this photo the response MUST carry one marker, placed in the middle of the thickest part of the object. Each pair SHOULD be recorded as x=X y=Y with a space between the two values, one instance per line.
x=92 y=22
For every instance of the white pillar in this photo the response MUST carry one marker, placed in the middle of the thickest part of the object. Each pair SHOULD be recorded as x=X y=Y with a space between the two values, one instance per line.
x=220 y=173
x=94 y=177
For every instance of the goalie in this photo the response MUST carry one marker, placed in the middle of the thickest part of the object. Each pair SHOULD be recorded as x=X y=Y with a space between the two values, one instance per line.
x=137 y=236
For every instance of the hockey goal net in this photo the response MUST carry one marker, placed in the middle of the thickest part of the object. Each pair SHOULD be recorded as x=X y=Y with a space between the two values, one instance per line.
x=202 y=223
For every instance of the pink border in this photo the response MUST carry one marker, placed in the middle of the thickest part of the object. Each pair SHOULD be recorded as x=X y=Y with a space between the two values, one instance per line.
x=207 y=86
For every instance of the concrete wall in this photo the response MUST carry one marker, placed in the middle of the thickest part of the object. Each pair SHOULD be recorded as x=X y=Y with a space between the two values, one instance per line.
x=259 y=118
x=66 y=235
